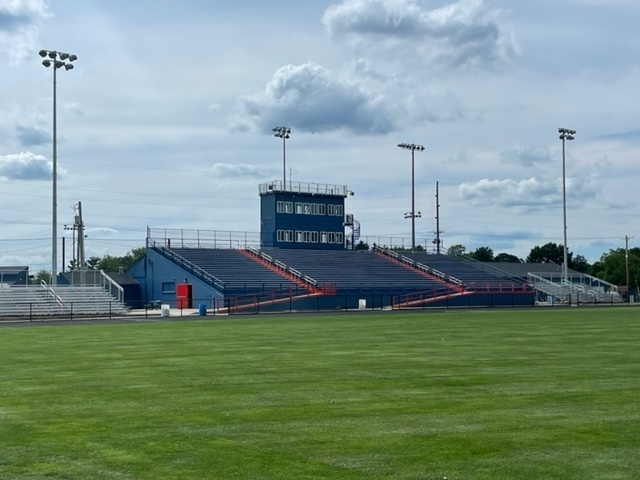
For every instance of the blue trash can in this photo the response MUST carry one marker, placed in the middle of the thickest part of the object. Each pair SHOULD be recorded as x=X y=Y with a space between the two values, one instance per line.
x=202 y=309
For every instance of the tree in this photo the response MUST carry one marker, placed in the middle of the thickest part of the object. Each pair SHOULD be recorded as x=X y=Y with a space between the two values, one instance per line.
x=580 y=264
x=92 y=263
x=362 y=246
x=41 y=275
x=110 y=263
x=612 y=267
x=549 y=253
x=482 y=254
x=456 y=250
x=507 y=258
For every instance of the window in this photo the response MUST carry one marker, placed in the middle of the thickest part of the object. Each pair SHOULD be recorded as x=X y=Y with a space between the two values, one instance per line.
x=323 y=237
x=339 y=210
x=281 y=236
x=332 y=237
x=321 y=209
x=331 y=209
x=307 y=209
x=314 y=237
x=288 y=207
x=314 y=209
x=280 y=208
x=307 y=237
x=298 y=208
x=289 y=236
x=168 y=287
x=339 y=238
x=299 y=236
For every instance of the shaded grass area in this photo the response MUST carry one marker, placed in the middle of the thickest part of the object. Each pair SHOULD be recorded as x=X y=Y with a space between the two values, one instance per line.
x=535 y=394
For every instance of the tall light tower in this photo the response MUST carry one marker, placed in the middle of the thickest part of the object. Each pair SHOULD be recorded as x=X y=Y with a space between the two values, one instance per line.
x=56 y=60
x=283 y=133
x=412 y=214
x=565 y=134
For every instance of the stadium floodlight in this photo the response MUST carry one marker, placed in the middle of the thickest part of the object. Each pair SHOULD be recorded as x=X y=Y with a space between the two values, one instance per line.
x=284 y=133
x=412 y=214
x=56 y=60
x=566 y=134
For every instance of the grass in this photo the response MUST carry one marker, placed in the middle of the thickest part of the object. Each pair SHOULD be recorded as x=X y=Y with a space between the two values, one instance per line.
x=535 y=394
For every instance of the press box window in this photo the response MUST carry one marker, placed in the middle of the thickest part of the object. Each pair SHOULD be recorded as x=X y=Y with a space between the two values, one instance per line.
x=168 y=287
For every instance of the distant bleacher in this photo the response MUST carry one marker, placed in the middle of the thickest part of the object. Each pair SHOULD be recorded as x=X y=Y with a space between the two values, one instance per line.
x=59 y=300
x=473 y=275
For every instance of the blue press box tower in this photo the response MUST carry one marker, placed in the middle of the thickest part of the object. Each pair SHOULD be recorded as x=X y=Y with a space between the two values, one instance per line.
x=303 y=215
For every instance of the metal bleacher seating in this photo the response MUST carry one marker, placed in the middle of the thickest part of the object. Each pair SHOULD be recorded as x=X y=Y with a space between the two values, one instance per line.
x=42 y=300
x=473 y=275
x=356 y=270
x=239 y=274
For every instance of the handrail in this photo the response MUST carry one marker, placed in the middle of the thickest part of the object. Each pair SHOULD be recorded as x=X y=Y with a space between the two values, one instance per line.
x=112 y=284
x=51 y=292
x=194 y=269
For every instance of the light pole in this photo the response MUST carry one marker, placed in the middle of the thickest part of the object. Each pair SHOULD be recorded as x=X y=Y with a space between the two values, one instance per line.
x=565 y=134
x=412 y=214
x=283 y=133
x=56 y=60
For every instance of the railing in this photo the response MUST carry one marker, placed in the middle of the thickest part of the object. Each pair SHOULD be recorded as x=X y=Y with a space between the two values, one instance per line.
x=190 y=267
x=303 y=187
x=49 y=290
x=283 y=266
x=110 y=286
x=181 y=238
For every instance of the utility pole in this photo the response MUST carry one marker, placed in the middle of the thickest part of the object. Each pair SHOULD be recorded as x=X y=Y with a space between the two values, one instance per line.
x=626 y=263
x=80 y=225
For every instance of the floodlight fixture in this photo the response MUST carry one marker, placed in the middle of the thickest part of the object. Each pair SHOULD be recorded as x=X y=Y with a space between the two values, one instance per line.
x=55 y=59
x=412 y=214
x=284 y=133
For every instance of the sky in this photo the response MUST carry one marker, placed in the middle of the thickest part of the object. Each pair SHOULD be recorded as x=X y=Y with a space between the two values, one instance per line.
x=166 y=120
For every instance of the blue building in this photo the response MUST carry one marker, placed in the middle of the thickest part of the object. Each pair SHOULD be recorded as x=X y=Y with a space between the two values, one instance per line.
x=304 y=216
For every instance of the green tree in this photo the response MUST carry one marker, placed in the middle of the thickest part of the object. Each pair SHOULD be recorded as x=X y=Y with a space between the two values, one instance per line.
x=506 y=257
x=612 y=267
x=41 y=275
x=549 y=253
x=109 y=263
x=580 y=264
x=482 y=254
x=92 y=263
x=456 y=250
x=362 y=246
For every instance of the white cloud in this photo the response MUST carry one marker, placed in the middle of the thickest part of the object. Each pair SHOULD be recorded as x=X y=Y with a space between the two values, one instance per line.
x=537 y=156
x=466 y=33
x=314 y=100
x=226 y=170
x=25 y=166
x=19 y=22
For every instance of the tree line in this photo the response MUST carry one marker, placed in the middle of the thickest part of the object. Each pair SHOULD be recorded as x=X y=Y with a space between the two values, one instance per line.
x=108 y=263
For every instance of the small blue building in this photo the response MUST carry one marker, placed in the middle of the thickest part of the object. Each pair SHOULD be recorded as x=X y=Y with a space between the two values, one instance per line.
x=303 y=215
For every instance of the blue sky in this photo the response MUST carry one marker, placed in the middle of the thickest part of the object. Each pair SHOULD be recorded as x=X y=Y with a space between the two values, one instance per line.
x=166 y=119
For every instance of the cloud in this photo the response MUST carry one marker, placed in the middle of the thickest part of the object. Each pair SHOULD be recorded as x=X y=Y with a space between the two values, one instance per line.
x=19 y=21
x=532 y=193
x=226 y=170
x=462 y=34
x=313 y=100
x=32 y=136
x=537 y=156
x=25 y=166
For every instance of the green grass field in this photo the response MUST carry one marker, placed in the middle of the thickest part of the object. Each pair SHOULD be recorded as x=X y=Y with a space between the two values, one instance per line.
x=533 y=394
